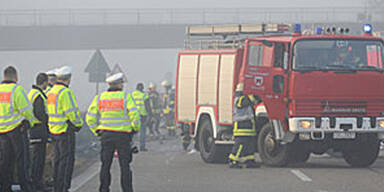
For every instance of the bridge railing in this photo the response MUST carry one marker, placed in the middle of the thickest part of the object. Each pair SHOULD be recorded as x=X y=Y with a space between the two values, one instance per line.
x=182 y=16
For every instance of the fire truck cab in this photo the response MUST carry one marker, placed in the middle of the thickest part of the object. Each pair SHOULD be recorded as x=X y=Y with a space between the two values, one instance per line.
x=320 y=89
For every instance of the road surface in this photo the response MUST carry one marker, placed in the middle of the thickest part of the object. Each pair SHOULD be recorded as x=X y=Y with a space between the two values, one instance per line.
x=167 y=168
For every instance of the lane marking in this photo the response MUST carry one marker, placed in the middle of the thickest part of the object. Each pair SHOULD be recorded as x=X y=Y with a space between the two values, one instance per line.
x=301 y=175
x=85 y=177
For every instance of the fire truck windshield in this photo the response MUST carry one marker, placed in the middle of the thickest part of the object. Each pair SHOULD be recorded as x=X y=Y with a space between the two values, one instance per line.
x=341 y=54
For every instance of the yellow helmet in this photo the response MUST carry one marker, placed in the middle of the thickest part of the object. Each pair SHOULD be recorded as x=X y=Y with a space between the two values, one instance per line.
x=151 y=85
x=165 y=83
x=240 y=87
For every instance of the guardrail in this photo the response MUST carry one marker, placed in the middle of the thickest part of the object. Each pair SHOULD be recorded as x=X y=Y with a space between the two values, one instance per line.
x=182 y=16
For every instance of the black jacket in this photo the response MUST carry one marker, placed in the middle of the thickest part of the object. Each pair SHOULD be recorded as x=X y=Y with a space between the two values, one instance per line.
x=40 y=131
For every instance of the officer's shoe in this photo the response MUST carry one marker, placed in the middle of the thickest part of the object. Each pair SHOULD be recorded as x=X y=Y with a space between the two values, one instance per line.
x=252 y=164
x=235 y=165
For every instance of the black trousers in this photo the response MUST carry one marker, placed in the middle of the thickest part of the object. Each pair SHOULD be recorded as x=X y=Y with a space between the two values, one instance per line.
x=38 y=153
x=111 y=141
x=243 y=150
x=12 y=153
x=64 y=159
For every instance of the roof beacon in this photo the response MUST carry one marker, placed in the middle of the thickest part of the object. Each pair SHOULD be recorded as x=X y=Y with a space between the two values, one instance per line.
x=297 y=29
x=367 y=30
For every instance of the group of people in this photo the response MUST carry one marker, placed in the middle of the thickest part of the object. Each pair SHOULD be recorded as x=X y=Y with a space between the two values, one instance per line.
x=43 y=123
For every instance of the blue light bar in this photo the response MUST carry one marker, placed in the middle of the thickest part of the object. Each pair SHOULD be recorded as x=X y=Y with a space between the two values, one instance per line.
x=367 y=28
x=297 y=28
x=319 y=30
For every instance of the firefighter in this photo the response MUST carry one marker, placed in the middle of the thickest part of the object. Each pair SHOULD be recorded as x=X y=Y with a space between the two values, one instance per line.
x=15 y=119
x=155 y=104
x=48 y=168
x=142 y=101
x=64 y=120
x=168 y=110
x=39 y=131
x=244 y=130
x=118 y=121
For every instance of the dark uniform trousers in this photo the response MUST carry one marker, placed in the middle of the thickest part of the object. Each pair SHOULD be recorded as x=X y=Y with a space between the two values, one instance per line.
x=12 y=153
x=244 y=148
x=64 y=160
x=111 y=141
x=38 y=151
x=154 y=124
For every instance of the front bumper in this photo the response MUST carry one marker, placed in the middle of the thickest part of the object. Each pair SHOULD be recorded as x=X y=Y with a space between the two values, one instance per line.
x=338 y=124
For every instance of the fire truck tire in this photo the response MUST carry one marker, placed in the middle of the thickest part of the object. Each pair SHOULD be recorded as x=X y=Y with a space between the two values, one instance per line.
x=209 y=151
x=271 y=152
x=300 y=156
x=363 y=154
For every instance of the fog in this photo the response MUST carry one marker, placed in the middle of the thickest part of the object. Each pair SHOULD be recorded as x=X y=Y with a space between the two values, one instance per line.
x=138 y=65
x=59 y=4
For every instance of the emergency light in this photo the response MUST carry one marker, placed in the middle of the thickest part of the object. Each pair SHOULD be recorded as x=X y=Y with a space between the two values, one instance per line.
x=319 y=30
x=367 y=28
x=297 y=28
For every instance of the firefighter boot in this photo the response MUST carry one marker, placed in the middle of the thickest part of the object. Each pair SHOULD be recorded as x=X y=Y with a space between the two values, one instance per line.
x=234 y=165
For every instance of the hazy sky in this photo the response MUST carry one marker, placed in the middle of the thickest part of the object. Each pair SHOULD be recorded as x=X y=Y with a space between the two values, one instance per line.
x=56 y=4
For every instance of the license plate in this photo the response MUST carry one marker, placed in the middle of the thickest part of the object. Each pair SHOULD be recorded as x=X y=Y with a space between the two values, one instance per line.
x=344 y=135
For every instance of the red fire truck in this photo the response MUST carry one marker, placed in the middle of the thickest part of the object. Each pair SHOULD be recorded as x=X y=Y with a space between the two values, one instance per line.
x=320 y=89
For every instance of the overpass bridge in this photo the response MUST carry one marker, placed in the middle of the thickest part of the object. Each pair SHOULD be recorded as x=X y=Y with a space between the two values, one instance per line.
x=78 y=29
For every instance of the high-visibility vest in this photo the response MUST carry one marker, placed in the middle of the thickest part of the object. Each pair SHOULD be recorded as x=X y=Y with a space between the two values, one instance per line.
x=62 y=107
x=244 y=117
x=32 y=95
x=14 y=107
x=140 y=98
x=113 y=111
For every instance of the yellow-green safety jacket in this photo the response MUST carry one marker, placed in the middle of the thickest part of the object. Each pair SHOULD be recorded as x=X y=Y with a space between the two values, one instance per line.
x=14 y=106
x=140 y=98
x=244 y=116
x=32 y=95
x=113 y=111
x=62 y=107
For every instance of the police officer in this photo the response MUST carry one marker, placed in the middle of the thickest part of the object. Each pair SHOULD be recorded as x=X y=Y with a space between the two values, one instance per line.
x=155 y=104
x=142 y=102
x=39 y=132
x=244 y=130
x=114 y=117
x=64 y=121
x=15 y=118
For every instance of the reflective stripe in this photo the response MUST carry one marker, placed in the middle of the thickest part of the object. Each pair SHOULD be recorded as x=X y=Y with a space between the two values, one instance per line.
x=57 y=97
x=134 y=109
x=239 y=151
x=57 y=122
x=25 y=108
x=125 y=103
x=11 y=101
x=73 y=105
x=115 y=124
x=92 y=114
x=12 y=122
x=249 y=157
x=33 y=96
x=70 y=110
x=113 y=118
x=57 y=115
x=9 y=116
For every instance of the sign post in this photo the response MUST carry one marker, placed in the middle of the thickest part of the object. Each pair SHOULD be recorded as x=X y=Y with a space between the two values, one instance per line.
x=97 y=69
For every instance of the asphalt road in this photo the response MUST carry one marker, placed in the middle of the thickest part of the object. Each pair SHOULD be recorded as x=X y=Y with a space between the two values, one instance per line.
x=167 y=168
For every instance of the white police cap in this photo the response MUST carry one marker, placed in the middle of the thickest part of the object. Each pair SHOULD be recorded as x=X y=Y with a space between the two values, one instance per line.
x=115 y=78
x=51 y=72
x=64 y=71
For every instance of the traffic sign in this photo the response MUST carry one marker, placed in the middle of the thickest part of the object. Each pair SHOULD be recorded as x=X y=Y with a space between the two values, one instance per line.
x=97 y=68
x=117 y=69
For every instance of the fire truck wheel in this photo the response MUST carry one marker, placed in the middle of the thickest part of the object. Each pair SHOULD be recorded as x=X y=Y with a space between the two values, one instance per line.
x=364 y=153
x=271 y=152
x=300 y=156
x=209 y=151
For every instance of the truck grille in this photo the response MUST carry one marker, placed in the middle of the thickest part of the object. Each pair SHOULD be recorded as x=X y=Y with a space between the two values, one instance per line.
x=338 y=108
